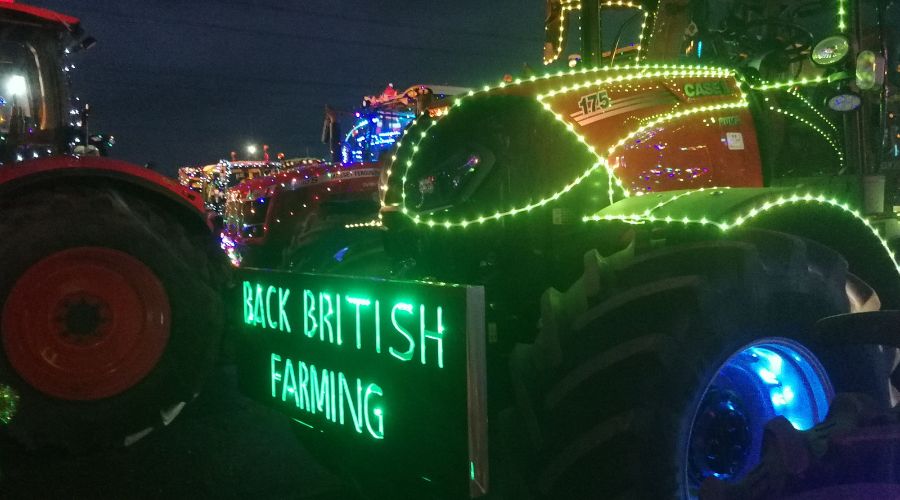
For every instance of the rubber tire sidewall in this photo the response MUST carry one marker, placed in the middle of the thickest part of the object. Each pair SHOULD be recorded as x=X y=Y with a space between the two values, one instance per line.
x=195 y=323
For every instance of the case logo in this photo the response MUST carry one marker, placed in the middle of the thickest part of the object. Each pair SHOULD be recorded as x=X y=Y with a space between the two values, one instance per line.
x=704 y=89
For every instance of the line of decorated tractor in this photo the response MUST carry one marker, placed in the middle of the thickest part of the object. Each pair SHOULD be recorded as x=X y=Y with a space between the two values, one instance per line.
x=657 y=226
x=681 y=236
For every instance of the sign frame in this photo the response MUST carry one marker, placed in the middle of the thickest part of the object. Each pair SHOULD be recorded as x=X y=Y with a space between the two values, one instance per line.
x=288 y=310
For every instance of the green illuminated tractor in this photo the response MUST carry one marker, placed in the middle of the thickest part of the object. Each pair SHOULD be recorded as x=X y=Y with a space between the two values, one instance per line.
x=604 y=281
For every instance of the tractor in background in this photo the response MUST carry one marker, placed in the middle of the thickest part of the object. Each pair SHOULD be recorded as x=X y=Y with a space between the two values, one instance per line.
x=271 y=221
x=103 y=264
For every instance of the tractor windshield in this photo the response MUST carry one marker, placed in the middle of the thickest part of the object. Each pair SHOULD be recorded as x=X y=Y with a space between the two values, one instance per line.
x=774 y=37
x=373 y=133
x=29 y=101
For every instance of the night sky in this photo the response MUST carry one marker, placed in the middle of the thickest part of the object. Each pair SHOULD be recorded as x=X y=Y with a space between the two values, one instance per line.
x=186 y=82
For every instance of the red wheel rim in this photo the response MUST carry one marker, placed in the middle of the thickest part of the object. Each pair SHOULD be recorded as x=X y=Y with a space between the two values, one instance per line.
x=86 y=323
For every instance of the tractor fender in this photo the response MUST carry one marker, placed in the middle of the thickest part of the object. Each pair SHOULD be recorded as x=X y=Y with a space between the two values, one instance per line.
x=44 y=172
x=817 y=217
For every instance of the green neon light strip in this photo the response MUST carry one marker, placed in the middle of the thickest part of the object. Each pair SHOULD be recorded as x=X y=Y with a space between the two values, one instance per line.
x=303 y=423
x=727 y=225
x=842 y=15
x=812 y=108
x=626 y=4
x=655 y=122
x=813 y=126
x=674 y=198
x=566 y=6
x=660 y=70
x=573 y=5
x=498 y=215
x=790 y=83
x=648 y=72
x=371 y=223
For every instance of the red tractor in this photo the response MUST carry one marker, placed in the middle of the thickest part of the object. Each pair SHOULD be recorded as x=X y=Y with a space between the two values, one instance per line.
x=104 y=264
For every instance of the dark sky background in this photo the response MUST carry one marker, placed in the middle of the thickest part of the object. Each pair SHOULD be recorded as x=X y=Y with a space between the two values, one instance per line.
x=184 y=82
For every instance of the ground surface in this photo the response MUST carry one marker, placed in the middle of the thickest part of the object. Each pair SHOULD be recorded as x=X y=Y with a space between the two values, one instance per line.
x=222 y=446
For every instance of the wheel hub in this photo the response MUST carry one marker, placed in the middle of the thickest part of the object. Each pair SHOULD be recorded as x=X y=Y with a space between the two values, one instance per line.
x=724 y=439
x=765 y=379
x=83 y=318
x=85 y=323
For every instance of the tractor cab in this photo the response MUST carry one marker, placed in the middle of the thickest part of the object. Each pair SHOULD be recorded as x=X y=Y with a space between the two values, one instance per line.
x=818 y=76
x=35 y=116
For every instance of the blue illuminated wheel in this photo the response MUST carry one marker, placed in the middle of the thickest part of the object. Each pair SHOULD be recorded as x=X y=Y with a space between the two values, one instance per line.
x=765 y=379
x=667 y=380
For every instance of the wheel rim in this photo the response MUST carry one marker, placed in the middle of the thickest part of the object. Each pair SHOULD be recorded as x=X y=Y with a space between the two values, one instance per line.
x=85 y=323
x=765 y=379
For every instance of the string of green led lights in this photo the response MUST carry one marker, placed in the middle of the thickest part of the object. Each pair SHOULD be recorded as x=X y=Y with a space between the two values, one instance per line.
x=649 y=216
x=625 y=73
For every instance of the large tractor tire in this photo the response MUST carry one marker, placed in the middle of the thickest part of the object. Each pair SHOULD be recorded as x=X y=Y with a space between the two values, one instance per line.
x=653 y=372
x=111 y=315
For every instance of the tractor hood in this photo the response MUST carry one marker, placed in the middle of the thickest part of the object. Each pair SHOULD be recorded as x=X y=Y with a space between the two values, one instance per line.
x=623 y=130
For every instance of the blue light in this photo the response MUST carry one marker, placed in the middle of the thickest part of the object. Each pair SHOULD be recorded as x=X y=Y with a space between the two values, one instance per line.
x=767 y=376
x=766 y=379
x=339 y=256
x=373 y=134
x=699 y=49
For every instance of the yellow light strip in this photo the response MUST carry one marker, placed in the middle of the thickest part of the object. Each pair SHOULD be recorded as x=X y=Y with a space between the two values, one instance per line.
x=647 y=71
x=371 y=223
x=812 y=108
x=679 y=196
x=790 y=83
x=631 y=5
x=654 y=71
x=813 y=126
x=842 y=15
x=658 y=70
x=566 y=6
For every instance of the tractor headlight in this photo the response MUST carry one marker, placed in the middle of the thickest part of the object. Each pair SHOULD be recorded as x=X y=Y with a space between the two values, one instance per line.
x=831 y=50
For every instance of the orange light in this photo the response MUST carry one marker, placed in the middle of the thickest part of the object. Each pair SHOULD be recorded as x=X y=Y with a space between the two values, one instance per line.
x=436 y=112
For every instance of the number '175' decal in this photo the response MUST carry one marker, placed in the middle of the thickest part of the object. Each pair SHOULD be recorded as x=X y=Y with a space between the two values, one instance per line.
x=596 y=102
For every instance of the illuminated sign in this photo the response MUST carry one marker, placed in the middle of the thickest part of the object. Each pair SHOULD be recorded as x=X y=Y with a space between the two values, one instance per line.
x=383 y=370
